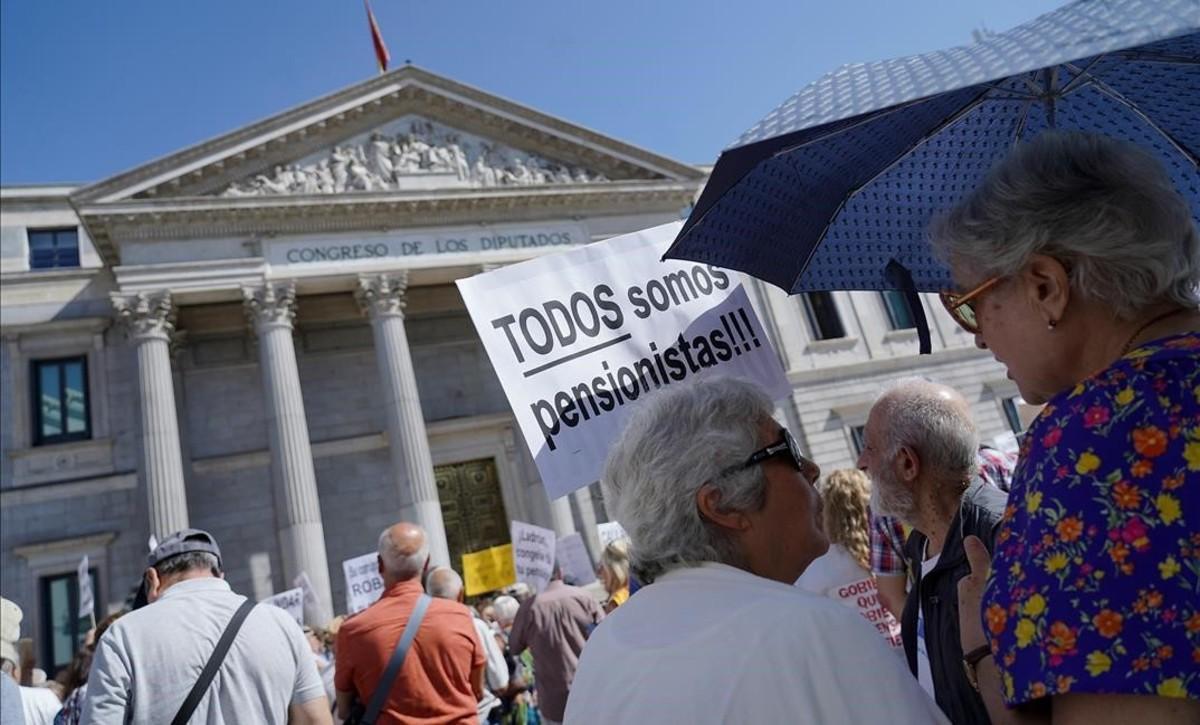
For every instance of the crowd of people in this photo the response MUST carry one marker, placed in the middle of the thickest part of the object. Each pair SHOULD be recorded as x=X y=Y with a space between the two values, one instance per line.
x=937 y=582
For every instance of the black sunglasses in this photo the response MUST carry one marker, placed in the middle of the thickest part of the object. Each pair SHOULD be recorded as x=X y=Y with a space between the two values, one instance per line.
x=785 y=445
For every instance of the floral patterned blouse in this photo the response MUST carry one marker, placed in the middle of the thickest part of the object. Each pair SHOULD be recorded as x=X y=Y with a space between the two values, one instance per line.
x=1095 y=581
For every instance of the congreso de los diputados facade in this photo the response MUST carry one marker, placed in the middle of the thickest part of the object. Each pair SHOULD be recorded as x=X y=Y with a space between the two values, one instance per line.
x=260 y=336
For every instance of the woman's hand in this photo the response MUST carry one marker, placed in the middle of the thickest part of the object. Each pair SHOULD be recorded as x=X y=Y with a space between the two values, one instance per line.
x=970 y=594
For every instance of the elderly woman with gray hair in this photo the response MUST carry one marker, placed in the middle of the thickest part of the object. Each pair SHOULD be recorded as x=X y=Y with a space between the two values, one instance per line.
x=1081 y=270
x=722 y=516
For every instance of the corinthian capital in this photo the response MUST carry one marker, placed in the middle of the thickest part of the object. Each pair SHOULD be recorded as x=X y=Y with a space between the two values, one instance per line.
x=382 y=294
x=145 y=315
x=274 y=303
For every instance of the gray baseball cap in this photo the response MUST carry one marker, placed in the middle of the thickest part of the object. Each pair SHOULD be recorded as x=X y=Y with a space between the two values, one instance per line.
x=184 y=542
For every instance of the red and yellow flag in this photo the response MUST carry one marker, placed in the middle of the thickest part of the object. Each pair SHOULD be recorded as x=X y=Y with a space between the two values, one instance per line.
x=381 y=51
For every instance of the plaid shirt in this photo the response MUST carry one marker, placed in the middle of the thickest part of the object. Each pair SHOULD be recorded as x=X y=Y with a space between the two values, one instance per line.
x=996 y=467
x=887 y=546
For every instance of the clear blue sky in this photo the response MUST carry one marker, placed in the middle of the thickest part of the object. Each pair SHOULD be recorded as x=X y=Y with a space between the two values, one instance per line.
x=89 y=88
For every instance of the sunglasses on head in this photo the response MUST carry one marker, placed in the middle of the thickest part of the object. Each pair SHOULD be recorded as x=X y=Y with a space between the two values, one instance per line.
x=962 y=307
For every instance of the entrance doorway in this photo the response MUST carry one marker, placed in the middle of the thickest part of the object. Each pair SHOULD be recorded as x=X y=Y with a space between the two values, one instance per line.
x=472 y=507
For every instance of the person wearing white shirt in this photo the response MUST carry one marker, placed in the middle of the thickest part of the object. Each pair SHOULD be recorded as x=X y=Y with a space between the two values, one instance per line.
x=445 y=583
x=844 y=572
x=722 y=516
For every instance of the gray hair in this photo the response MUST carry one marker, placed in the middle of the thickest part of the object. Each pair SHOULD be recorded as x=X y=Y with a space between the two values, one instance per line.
x=1104 y=208
x=506 y=608
x=919 y=417
x=443 y=583
x=192 y=560
x=396 y=563
x=682 y=438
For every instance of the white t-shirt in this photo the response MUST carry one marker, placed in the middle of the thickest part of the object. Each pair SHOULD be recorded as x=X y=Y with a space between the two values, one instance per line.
x=838 y=576
x=717 y=644
x=924 y=672
x=496 y=672
x=148 y=661
x=40 y=705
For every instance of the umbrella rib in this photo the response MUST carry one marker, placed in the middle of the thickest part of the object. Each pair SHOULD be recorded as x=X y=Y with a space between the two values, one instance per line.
x=948 y=121
x=1080 y=74
x=1180 y=147
x=1157 y=57
x=1021 y=122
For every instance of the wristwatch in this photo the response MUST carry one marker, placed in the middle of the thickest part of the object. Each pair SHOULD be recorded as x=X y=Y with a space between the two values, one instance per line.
x=971 y=662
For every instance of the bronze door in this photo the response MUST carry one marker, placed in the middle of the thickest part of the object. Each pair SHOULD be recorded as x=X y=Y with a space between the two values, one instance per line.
x=472 y=507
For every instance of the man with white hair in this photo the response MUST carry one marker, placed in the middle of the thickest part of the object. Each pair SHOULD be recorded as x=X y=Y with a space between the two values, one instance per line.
x=722 y=518
x=920 y=452
x=445 y=583
x=441 y=679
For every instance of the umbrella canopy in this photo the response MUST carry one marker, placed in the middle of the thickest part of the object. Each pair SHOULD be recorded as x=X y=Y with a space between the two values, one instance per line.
x=839 y=183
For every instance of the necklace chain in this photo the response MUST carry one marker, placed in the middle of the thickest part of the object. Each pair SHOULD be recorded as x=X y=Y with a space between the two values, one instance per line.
x=1143 y=328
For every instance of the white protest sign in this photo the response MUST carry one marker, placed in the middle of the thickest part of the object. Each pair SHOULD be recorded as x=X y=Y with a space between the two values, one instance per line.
x=533 y=554
x=87 y=600
x=609 y=532
x=316 y=612
x=363 y=583
x=863 y=596
x=580 y=338
x=291 y=601
x=572 y=555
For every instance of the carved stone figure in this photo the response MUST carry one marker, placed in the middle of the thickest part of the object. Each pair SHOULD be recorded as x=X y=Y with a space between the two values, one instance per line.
x=382 y=161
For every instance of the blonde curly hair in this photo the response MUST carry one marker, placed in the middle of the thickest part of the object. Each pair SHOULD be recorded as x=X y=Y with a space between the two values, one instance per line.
x=846 y=495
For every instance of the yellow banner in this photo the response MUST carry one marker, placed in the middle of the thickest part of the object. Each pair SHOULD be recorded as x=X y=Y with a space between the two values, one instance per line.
x=489 y=570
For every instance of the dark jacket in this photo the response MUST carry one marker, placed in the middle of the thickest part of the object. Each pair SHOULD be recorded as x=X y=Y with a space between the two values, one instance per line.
x=978 y=514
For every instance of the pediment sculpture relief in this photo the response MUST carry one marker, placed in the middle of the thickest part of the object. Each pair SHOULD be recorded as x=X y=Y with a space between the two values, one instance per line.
x=426 y=155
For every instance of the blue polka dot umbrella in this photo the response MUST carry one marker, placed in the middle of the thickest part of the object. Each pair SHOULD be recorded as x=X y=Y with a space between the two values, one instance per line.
x=835 y=188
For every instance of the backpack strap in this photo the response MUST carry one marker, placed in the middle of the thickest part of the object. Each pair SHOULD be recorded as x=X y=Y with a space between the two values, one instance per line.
x=393 y=669
x=214 y=663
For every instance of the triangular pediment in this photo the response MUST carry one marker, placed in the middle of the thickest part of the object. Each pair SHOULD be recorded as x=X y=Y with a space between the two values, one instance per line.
x=408 y=130
x=411 y=153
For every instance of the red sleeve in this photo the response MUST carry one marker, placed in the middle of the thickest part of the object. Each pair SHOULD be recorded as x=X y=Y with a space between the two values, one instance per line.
x=343 y=673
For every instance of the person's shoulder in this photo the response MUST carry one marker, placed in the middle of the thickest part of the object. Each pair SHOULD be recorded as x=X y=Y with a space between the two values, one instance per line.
x=275 y=615
x=986 y=503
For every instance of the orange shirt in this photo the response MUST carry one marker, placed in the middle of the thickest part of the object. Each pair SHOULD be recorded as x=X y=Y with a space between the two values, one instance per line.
x=434 y=685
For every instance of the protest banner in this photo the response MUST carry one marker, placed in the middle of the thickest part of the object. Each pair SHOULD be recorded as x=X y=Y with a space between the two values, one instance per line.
x=533 y=554
x=573 y=557
x=291 y=601
x=489 y=569
x=609 y=532
x=363 y=583
x=87 y=600
x=312 y=605
x=863 y=597
x=579 y=338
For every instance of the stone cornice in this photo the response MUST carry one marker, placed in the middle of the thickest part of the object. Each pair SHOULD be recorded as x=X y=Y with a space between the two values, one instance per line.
x=289 y=135
x=206 y=217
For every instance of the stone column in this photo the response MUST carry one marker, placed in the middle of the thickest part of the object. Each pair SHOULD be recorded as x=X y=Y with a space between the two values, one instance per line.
x=561 y=518
x=149 y=322
x=587 y=520
x=271 y=309
x=382 y=298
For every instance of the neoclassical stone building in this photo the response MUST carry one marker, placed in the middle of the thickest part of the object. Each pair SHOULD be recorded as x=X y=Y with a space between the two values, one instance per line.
x=260 y=336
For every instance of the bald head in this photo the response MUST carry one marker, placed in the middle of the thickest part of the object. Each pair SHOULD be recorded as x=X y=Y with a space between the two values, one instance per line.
x=403 y=551
x=444 y=583
x=932 y=420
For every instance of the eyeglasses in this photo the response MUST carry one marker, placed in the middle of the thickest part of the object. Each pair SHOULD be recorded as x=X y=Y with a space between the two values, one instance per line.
x=962 y=307
x=786 y=445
